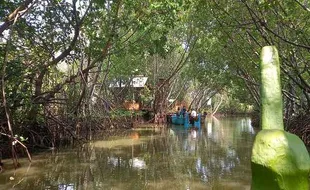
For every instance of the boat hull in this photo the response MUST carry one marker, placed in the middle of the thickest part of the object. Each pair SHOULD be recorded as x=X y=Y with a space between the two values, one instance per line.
x=184 y=121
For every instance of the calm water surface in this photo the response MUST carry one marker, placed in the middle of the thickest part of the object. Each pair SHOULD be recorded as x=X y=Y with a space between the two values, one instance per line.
x=216 y=157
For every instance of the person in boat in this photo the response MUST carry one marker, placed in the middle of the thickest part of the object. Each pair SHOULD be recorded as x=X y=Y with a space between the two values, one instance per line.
x=205 y=113
x=193 y=117
x=183 y=111
x=178 y=112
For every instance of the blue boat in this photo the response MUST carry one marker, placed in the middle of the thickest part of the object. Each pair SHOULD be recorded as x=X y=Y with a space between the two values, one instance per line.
x=184 y=120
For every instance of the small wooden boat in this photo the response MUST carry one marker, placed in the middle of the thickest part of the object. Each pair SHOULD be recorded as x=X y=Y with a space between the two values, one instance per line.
x=184 y=120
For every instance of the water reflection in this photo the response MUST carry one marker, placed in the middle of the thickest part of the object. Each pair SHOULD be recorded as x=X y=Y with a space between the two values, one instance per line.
x=66 y=187
x=215 y=157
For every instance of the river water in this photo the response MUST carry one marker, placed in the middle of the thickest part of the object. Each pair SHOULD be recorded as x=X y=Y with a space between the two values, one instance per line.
x=215 y=157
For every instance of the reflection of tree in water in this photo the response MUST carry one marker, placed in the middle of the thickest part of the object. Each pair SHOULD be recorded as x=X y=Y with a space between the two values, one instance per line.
x=228 y=149
x=179 y=158
x=167 y=158
x=222 y=153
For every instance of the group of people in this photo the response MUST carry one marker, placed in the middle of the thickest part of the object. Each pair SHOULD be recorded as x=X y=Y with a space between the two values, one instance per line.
x=181 y=112
x=192 y=117
x=160 y=117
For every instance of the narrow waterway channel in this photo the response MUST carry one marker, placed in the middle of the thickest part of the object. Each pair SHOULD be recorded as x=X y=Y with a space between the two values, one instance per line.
x=215 y=157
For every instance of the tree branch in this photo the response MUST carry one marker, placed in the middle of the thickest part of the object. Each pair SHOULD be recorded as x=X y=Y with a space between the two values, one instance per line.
x=303 y=6
x=15 y=14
